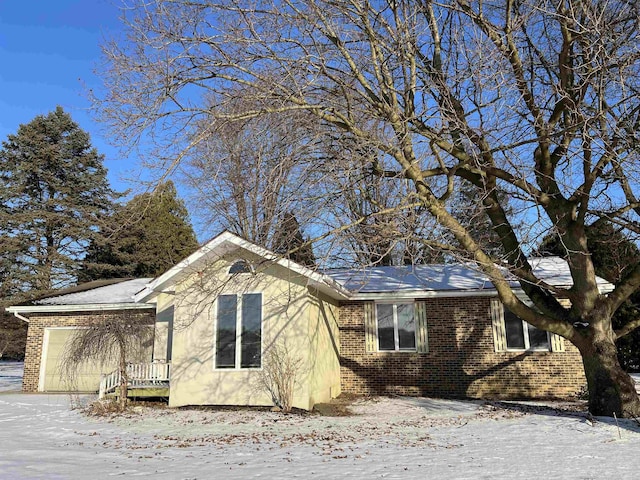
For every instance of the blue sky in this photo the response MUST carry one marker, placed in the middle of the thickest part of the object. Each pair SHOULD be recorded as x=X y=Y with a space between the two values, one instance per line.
x=48 y=50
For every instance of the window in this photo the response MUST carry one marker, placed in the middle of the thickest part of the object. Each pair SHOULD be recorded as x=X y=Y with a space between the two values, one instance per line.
x=239 y=331
x=240 y=267
x=522 y=336
x=396 y=326
x=512 y=333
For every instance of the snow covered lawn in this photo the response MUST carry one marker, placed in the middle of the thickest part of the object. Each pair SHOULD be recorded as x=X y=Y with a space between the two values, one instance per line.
x=41 y=437
x=10 y=376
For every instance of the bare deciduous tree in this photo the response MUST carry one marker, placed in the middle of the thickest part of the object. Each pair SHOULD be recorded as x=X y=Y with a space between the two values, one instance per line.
x=245 y=174
x=109 y=340
x=368 y=203
x=536 y=99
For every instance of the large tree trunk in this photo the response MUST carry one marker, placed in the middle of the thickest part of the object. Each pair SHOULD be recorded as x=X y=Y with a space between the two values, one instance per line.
x=611 y=389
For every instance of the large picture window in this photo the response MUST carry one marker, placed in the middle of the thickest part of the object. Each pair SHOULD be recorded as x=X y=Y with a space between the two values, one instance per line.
x=239 y=331
x=522 y=336
x=396 y=326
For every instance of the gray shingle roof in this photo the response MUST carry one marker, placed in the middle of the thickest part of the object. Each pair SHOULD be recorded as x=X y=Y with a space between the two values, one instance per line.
x=450 y=277
x=121 y=292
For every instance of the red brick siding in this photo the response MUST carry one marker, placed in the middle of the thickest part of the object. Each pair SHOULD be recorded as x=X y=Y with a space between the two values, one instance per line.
x=461 y=362
x=35 y=336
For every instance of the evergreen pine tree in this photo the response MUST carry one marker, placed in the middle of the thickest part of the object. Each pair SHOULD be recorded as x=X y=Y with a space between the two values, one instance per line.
x=143 y=238
x=288 y=241
x=53 y=193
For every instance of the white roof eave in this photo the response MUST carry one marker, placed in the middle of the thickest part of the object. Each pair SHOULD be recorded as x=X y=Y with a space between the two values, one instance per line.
x=171 y=276
x=322 y=282
x=331 y=288
x=419 y=293
x=144 y=295
x=414 y=294
x=22 y=309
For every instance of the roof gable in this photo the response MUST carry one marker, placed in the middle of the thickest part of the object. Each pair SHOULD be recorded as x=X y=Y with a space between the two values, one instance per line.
x=228 y=242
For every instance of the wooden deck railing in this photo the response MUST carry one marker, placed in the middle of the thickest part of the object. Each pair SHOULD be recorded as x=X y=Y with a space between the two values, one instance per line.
x=141 y=375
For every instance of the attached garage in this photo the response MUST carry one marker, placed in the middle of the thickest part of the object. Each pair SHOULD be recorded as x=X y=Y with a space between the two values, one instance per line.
x=53 y=320
x=55 y=375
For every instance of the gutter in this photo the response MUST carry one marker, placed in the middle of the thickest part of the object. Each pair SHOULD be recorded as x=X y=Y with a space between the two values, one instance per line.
x=415 y=294
x=329 y=287
x=21 y=309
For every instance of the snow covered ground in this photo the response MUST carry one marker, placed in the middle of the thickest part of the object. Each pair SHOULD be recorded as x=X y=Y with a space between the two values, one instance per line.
x=10 y=376
x=398 y=438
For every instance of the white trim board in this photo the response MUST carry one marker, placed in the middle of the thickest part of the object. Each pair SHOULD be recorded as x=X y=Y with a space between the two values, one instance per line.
x=227 y=242
x=22 y=309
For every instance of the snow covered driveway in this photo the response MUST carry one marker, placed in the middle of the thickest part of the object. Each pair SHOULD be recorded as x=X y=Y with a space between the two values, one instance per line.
x=399 y=438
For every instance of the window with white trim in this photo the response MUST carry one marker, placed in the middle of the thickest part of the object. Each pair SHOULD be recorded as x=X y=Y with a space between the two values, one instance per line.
x=239 y=331
x=521 y=335
x=396 y=326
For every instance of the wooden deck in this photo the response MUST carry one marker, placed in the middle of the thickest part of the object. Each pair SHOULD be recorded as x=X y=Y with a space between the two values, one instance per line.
x=145 y=380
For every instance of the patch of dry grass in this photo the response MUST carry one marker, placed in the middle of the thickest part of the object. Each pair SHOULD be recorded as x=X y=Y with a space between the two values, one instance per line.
x=111 y=407
x=338 y=407
x=103 y=408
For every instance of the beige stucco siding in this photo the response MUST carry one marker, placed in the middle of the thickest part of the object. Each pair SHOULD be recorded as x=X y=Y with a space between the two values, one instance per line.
x=288 y=320
x=324 y=349
x=163 y=327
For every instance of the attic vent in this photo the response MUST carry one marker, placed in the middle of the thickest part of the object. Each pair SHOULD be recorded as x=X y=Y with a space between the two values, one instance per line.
x=240 y=267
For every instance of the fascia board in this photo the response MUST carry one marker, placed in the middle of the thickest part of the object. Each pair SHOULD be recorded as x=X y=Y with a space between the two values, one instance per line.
x=318 y=280
x=167 y=277
x=172 y=275
x=606 y=288
x=20 y=309
x=145 y=294
x=413 y=294
x=337 y=291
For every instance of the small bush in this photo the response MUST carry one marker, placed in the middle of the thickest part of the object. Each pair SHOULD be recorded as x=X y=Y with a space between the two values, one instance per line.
x=279 y=376
x=104 y=408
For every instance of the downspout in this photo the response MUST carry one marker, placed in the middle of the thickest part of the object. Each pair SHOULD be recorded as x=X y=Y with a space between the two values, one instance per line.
x=21 y=317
